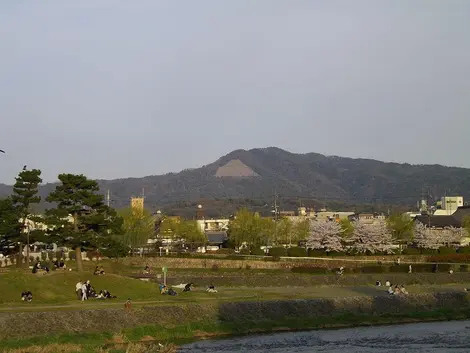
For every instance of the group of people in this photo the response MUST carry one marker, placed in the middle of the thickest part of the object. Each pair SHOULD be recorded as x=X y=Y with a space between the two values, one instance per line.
x=85 y=290
x=38 y=268
x=398 y=289
x=59 y=264
x=164 y=289
x=27 y=296
x=99 y=270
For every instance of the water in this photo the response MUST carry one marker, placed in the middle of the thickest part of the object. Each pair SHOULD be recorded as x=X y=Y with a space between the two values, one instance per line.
x=448 y=337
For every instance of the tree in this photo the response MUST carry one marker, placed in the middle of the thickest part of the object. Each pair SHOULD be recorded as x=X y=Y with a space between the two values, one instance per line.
x=452 y=236
x=371 y=237
x=138 y=226
x=189 y=231
x=402 y=227
x=284 y=231
x=169 y=228
x=9 y=225
x=426 y=238
x=25 y=194
x=325 y=235
x=81 y=219
x=249 y=228
x=301 y=230
x=347 y=226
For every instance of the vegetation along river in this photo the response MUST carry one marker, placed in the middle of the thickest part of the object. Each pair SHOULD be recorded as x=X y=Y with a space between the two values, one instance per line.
x=449 y=337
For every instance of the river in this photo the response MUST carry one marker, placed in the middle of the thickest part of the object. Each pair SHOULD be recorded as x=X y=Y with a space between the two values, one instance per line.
x=448 y=337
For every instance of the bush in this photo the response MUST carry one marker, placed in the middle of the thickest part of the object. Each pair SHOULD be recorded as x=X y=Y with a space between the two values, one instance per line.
x=316 y=253
x=309 y=269
x=296 y=252
x=464 y=250
x=443 y=250
x=72 y=255
x=257 y=252
x=411 y=251
x=277 y=252
x=225 y=251
x=464 y=268
x=244 y=252
x=43 y=256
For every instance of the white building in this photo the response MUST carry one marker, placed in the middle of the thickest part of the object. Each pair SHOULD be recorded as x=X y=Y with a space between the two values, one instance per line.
x=449 y=205
x=209 y=225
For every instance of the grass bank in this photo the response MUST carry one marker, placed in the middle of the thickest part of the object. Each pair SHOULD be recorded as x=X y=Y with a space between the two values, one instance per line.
x=97 y=329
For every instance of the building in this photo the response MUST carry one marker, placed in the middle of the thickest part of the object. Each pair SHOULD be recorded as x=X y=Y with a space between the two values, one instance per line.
x=211 y=225
x=332 y=215
x=450 y=204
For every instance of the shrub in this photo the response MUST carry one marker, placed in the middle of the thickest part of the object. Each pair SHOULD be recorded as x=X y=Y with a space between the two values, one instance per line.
x=443 y=250
x=277 y=252
x=296 y=252
x=43 y=256
x=464 y=268
x=244 y=252
x=464 y=250
x=72 y=255
x=225 y=251
x=411 y=251
x=257 y=251
x=316 y=253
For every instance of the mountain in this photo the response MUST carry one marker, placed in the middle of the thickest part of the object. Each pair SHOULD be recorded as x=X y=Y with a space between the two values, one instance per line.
x=254 y=175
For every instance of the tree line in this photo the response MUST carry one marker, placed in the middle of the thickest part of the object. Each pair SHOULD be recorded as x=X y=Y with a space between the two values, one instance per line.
x=346 y=236
x=80 y=219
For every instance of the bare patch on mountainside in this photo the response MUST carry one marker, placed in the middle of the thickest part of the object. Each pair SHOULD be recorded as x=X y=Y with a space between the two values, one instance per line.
x=235 y=169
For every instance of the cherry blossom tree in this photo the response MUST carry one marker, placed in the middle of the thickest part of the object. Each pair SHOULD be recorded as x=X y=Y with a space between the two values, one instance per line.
x=325 y=235
x=427 y=238
x=452 y=236
x=371 y=237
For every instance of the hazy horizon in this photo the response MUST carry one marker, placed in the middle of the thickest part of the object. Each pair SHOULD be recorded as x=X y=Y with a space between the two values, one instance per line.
x=113 y=89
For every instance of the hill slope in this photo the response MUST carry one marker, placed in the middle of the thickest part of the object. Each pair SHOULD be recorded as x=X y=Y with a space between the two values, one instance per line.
x=256 y=173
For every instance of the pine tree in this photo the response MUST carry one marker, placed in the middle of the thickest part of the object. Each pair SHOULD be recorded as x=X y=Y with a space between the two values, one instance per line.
x=81 y=219
x=25 y=194
x=10 y=228
x=371 y=237
x=325 y=235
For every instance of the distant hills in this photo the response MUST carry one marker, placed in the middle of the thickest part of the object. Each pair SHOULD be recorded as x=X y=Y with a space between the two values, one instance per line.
x=252 y=176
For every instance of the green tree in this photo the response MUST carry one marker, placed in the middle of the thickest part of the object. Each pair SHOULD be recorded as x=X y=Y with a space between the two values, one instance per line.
x=285 y=231
x=25 y=194
x=81 y=219
x=301 y=230
x=347 y=226
x=169 y=228
x=191 y=233
x=9 y=226
x=138 y=226
x=402 y=227
x=244 y=228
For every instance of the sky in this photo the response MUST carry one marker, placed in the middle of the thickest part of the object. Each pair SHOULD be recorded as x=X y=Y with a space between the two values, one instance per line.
x=119 y=88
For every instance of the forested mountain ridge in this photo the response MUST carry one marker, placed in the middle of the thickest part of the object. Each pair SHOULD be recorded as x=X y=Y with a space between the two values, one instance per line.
x=257 y=173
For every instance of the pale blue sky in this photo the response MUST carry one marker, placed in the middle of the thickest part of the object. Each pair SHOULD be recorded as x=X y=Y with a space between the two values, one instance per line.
x=117 y=88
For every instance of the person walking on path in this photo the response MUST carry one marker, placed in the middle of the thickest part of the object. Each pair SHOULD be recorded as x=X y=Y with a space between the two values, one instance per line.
x=84 y=291
x=78 y=289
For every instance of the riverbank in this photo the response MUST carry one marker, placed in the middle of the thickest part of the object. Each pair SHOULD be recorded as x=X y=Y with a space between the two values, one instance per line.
x=178 y=323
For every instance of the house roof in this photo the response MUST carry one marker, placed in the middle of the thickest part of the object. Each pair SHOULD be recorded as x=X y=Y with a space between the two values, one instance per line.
x=461 y=213
x=439 y=221
x=216 y=237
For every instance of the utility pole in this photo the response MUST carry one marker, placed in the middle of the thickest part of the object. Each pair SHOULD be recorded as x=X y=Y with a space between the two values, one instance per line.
x=275 y=215
x=108 y=199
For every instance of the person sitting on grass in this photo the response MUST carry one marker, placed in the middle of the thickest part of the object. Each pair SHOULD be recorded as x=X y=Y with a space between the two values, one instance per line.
x=403 y=290
x=99 y=270
x=128 y=305
x=378 y=283
x=37 y=267
x=390 y=290
x=211 y=289
x=27 y=296
x=163 y=289
x=341 y=271
x=188 y=287
x=172 y=292
x=146 y=270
